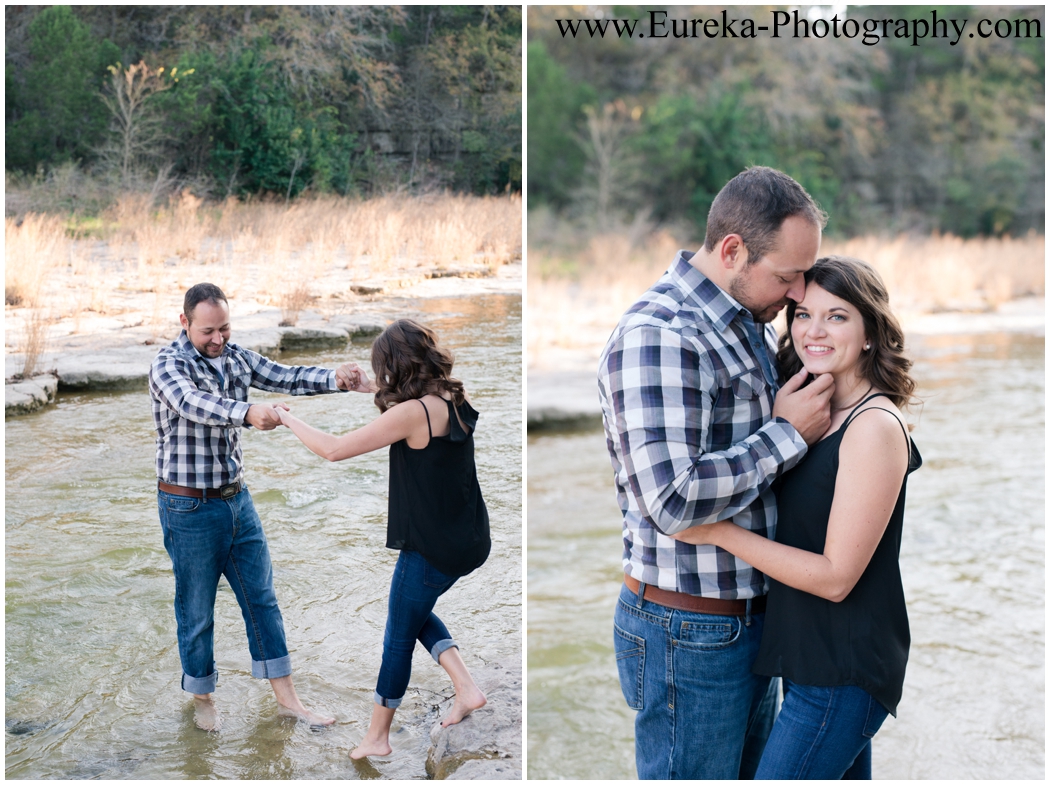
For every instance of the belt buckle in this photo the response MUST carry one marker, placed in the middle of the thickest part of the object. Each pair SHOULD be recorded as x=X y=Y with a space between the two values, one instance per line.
x=229 y=491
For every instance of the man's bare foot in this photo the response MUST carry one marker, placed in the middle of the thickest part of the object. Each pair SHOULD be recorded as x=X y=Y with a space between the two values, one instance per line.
x=205 y=715
x=307 y=716
x=370 y=747
x=289 y=705
x=465 y=703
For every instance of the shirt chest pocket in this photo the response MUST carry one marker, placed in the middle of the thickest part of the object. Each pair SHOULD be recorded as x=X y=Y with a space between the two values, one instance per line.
x=209 y=383
x=749 y=385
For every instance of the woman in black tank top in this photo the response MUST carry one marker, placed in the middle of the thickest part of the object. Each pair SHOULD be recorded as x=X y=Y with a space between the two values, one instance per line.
x=836 y=626
x=437 y=518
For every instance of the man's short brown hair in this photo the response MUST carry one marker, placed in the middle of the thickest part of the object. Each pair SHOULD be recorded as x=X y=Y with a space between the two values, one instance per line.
x=200 y=293
x=754 y=205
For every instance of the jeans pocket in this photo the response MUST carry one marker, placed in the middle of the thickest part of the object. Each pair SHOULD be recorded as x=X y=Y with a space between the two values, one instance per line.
x=876 y=716
x=709 y=635
x=630 y=664
x=435 y=578
x=182 y=504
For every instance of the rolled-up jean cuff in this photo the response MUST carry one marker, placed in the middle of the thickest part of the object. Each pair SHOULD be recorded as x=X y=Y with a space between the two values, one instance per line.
x=441 y=647
x=272 y=669
x=200 y=686
x=389 y=703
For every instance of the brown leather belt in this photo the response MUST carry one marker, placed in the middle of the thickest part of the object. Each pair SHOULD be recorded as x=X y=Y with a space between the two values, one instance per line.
x=225 y=492
x=689 y=602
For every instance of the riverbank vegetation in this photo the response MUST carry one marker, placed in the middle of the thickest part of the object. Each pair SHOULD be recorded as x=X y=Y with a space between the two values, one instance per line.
x=580 y=284
x=138 y=258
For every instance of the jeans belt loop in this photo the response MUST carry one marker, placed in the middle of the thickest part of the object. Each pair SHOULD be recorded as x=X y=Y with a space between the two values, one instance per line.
x=747 y=613
x=641 y=595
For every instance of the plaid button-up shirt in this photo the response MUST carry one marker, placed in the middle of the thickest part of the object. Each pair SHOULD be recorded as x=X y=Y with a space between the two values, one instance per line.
x=687 y=412
x=198 y=416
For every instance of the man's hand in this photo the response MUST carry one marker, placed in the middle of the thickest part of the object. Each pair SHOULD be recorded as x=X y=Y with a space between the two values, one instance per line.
x=264 y=417
x=352 y=377
x=808 y=409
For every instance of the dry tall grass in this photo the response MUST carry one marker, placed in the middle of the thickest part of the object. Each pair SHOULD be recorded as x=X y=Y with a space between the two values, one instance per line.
x=576 y=296
x=277 y=253
x=33 y=247
x=34 y=339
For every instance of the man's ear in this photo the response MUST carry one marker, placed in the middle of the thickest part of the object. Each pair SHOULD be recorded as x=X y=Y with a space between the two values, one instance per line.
x=185 y=322
x=732 y=253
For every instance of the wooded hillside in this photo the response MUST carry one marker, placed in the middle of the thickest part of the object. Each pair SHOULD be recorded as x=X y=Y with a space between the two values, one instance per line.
x=238 y=100
x=894 y=136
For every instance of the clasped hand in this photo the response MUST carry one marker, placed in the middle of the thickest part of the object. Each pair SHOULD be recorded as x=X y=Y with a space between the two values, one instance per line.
x=266 y=417
x=352 y=377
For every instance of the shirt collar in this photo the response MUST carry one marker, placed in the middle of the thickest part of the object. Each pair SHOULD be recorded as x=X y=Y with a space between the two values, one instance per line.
x=705 y=294
x=185 y=345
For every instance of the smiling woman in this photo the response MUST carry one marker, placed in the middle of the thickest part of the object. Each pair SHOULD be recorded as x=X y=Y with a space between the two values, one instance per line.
x=836 y=626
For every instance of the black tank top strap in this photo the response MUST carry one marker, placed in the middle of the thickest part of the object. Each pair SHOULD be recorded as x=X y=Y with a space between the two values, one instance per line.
x=426 y=411
x=857 y=410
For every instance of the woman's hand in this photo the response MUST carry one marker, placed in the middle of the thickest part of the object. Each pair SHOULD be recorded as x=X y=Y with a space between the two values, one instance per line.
x=705 y=534
x=352 y=377
x=282 y=412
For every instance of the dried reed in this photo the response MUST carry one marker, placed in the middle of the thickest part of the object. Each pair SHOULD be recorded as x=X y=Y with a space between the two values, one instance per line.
x=35 y=331
x=33 y=247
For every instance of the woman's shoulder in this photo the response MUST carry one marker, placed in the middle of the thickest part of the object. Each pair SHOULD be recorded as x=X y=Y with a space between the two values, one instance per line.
x=875 y=426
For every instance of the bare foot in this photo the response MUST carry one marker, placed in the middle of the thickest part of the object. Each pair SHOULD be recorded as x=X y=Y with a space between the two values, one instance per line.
x=465 y=703
x=369 y=747
x=307 y=716
x=205 y=715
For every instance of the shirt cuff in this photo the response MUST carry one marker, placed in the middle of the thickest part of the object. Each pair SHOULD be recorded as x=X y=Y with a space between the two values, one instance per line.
x=238 y=412
x=790 y=444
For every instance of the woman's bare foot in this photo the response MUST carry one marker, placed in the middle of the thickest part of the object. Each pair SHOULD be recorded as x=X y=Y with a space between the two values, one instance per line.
x=307 y=716
x=370 y=747
x=470 y=699
x=377 y=740
x=205 y=714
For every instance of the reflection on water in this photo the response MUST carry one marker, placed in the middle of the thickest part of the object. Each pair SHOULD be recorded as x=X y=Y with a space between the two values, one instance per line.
x=972 y=560
x=92 y=661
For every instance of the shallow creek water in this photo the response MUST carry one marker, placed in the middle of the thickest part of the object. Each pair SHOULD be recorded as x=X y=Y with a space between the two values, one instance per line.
x=92 y=665
x=972 y=561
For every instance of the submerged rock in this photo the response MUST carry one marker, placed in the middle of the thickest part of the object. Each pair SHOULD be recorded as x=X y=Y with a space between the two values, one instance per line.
x=487 y=744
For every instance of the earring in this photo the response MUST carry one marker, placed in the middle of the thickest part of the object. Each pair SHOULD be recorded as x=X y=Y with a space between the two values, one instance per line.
x=867 y=346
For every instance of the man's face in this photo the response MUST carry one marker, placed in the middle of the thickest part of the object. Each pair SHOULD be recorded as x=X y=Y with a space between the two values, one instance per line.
x=210 y=328
x=766 y=286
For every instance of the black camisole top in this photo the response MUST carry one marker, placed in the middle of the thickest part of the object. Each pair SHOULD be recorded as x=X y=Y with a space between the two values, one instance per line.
x=862 y=641
x=435 y=504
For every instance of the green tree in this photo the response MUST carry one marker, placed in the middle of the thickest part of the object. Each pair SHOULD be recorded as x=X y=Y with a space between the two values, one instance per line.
x=556 y=160
x=54 y=113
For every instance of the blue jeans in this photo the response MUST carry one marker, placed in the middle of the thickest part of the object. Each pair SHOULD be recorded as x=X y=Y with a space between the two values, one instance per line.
x=206 y=538
x=414 y=590
x=702 y=713
x=822 y=733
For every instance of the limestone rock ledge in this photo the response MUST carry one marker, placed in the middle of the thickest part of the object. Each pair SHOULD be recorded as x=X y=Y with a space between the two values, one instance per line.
x=27 y=396
x=127 y=368
x=487 y=744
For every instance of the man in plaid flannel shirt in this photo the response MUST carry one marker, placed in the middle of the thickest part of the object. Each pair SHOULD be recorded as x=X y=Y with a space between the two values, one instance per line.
x=697 y=432
x=199 y=391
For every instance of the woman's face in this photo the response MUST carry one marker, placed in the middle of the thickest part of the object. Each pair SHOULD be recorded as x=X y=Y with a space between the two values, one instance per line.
x=827 y=332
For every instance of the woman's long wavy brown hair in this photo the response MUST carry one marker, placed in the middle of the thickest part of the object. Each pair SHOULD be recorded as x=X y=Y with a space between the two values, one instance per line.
x=858 y=283
x=408 y=363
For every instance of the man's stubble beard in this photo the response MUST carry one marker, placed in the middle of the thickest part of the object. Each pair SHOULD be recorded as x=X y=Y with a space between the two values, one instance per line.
x=738 y=290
